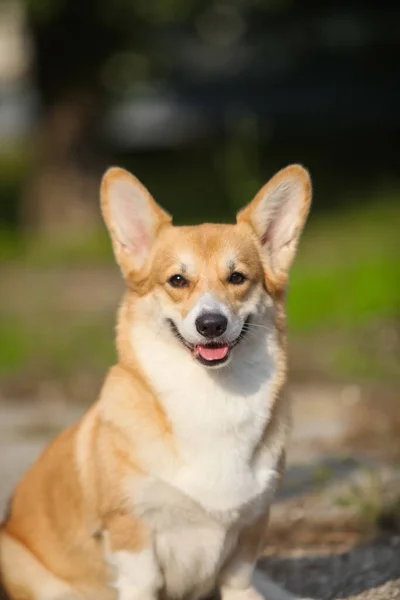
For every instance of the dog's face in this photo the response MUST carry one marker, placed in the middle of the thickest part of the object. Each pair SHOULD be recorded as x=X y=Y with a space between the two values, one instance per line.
x=210 y=284
x=208 y=281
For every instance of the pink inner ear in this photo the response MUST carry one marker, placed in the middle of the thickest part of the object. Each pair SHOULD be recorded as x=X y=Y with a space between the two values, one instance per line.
x=132 y=218
x=279 y=221
x=281 y=230
x=282 y=222
x=142 y=239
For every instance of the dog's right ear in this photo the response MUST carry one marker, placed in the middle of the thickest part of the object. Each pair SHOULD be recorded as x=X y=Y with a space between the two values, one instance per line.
x=133 y=218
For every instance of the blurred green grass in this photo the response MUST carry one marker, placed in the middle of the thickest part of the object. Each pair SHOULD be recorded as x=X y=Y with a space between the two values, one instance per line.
x=347 y=269
x=346 y=275
x=91 y=248
x=57 y=347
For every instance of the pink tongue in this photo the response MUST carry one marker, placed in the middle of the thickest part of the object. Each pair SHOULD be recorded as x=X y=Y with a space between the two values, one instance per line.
x=212 y=353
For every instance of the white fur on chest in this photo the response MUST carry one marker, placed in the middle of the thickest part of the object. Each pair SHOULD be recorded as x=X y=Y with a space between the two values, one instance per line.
x=217 y=418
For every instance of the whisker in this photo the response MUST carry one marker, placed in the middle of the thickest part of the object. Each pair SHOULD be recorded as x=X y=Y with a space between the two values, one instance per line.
x=249 y=325
x=253 y=330
x=248 y=332
x=251 y=334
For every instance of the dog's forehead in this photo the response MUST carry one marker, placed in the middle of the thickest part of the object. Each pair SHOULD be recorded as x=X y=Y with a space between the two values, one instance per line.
x=225 y=245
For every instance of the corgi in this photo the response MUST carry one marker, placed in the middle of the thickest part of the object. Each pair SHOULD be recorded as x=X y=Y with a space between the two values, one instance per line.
x=163 y=489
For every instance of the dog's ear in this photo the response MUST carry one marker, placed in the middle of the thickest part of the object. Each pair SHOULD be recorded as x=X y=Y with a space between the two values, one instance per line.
x=277 y=215
x=132 y=216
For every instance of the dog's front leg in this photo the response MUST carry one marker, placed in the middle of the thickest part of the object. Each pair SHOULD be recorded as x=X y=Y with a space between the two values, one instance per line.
x=240 y=580
x=128 y=549
x=236 y=581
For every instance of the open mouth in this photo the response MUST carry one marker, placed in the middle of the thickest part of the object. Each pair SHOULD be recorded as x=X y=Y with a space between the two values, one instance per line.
x=210 y=353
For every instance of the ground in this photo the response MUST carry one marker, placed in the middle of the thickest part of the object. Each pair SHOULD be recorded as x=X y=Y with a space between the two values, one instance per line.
x=335 y=532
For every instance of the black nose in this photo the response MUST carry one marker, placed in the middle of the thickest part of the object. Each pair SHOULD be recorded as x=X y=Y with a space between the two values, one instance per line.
x=211 y=324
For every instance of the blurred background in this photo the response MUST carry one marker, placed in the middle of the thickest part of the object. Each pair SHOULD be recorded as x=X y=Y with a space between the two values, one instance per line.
x=204 y=101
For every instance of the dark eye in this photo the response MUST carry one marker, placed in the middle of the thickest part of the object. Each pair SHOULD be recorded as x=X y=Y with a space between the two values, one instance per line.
x=237 y=278
x=178 y=281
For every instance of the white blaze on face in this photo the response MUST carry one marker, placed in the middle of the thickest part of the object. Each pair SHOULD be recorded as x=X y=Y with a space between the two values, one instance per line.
x=208 y=304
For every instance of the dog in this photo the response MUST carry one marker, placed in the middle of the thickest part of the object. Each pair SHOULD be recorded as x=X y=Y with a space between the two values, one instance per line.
x=163 y=489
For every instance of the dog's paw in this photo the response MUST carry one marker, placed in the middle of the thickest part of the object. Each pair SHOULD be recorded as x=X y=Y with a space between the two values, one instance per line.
x=262 y=588
x=249 y=593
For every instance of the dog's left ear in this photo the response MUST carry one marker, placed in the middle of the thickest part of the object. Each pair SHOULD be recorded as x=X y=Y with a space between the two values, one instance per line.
x=277 y=215
x=133 y=218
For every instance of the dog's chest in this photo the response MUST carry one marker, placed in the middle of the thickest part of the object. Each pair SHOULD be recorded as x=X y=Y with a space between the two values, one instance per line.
x=217 y=420
x=217 y=434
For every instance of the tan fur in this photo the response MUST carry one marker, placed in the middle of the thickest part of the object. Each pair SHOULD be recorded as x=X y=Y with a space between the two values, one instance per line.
x=75 y=505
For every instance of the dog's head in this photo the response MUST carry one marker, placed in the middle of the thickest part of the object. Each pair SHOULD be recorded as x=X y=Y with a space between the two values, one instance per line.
x=207 y=286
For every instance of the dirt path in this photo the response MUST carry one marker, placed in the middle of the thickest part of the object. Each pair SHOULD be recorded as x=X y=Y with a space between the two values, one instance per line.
x=340 y=476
